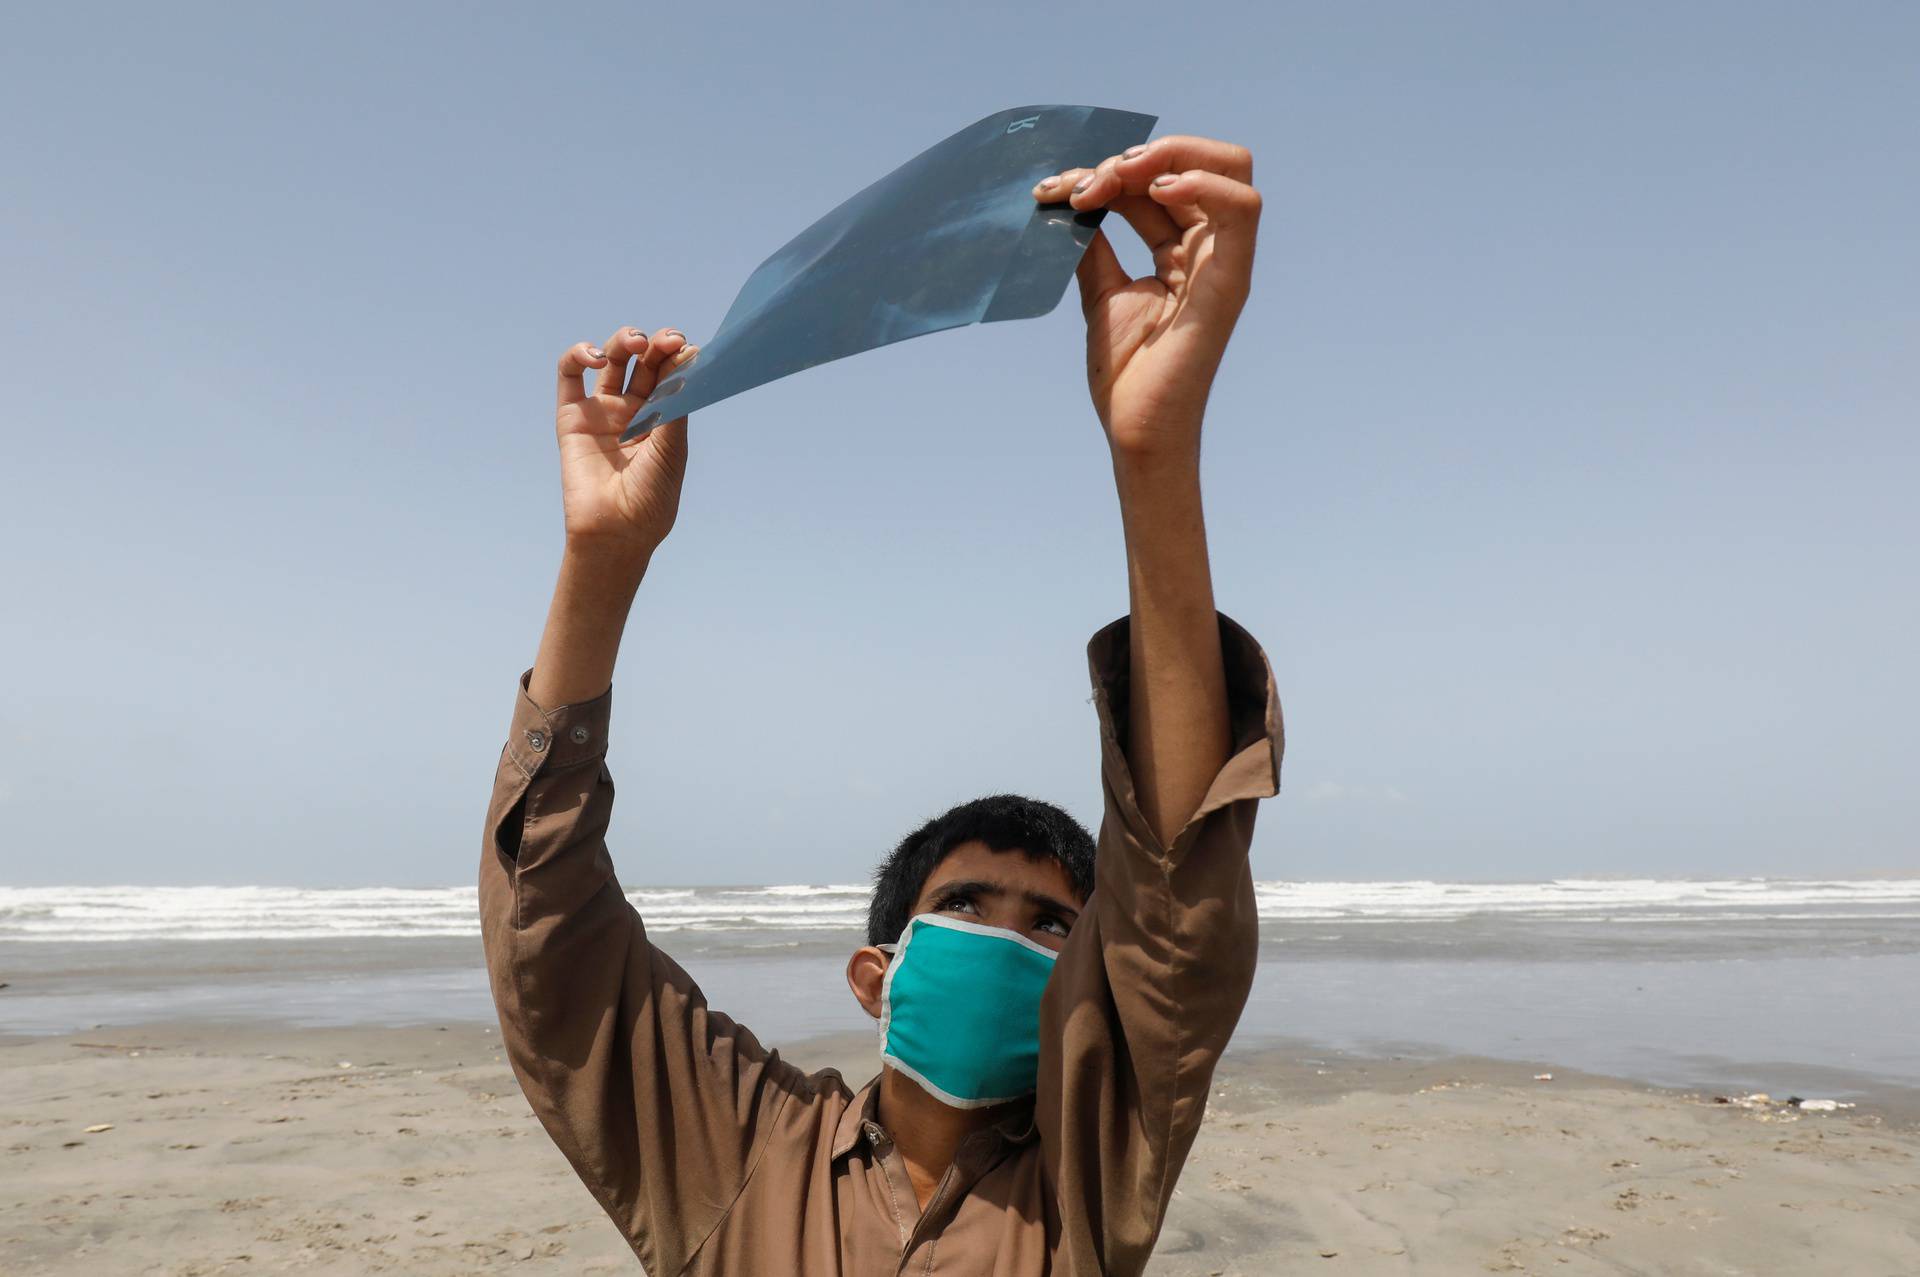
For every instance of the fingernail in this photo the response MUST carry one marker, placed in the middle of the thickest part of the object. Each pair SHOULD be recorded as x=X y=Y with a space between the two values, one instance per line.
x=1044 y=184
x=1133 y=152
x=1166 y=179
x=596 y=352
x=673 y=332
x=1082 y=184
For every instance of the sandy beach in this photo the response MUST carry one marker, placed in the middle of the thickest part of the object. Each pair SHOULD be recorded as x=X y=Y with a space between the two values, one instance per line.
x=186 y=1150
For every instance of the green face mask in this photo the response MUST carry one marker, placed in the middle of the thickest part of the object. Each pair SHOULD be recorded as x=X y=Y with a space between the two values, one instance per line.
x=960 y=1010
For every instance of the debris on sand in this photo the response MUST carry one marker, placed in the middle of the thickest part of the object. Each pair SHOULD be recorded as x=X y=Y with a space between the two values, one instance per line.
x=1768 y=1109
x=1817 y=1106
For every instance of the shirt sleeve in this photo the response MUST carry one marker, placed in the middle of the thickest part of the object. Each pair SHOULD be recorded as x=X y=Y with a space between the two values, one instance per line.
x=1153 y=978
x=661 y=1105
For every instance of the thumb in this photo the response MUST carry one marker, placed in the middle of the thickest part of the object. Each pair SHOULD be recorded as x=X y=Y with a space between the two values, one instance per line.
x=667 y=443
x=1099 y=272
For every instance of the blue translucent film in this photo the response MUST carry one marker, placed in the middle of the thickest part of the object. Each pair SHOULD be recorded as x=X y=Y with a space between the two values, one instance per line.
x=951 y=237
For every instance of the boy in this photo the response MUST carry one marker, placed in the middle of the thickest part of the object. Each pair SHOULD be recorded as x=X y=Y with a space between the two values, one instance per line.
x=1051 y=1017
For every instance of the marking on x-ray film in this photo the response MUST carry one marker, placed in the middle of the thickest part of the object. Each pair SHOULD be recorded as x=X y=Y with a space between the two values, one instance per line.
x=1027 y=123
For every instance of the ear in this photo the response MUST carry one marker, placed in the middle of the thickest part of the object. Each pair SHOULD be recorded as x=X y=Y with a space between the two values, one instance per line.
x=866 y=971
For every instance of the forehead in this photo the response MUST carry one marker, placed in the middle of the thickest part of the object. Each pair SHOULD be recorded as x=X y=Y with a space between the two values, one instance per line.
x=976 y=860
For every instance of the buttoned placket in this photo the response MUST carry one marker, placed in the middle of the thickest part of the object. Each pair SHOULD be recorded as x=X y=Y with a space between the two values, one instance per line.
x=893 y=1169
x=974 y=1158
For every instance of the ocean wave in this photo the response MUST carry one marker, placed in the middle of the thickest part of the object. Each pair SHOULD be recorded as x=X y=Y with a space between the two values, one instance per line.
x=73 y=914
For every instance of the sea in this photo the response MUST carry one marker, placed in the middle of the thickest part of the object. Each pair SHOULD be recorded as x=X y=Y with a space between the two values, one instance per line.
x=1803 y=985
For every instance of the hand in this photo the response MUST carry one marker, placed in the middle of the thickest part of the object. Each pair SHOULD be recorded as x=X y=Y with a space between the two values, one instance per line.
x=1154 y=343
x=619 y=496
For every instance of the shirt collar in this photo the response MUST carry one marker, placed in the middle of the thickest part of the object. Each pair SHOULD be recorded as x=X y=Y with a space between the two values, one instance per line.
x=859 y=1114
x=1019 y=1127
x=862 y=1115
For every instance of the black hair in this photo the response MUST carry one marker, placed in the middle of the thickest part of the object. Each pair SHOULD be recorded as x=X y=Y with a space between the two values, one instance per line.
x=1005 y=822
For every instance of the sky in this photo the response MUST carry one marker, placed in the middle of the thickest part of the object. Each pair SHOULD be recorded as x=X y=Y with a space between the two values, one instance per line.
x=1563 y=461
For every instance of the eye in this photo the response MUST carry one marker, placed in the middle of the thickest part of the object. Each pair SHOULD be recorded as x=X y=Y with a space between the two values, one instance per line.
x=959 y=904
x=1052 y=924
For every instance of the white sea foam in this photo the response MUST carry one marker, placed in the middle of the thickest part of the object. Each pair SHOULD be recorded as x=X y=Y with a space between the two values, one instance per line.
x=291 y=913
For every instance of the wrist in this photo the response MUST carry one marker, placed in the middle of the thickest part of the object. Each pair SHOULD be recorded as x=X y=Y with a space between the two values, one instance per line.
x=1161 y=468
x=581 y=642
x=612 y=560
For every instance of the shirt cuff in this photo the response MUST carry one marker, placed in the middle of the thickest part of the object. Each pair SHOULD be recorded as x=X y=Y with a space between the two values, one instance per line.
x=1252 y=769
x=558 y=739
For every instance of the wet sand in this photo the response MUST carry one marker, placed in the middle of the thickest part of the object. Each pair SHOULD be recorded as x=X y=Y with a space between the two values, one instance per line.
x=258 y=1149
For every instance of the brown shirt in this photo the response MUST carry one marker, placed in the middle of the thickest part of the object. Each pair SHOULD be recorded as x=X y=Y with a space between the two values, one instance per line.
x=714 y=1155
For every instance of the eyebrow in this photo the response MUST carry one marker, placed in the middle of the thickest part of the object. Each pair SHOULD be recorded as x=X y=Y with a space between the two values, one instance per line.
x=981 y=887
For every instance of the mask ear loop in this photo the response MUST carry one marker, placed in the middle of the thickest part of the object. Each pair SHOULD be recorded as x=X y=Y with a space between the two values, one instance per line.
x=893 y=951
x=880 y=1021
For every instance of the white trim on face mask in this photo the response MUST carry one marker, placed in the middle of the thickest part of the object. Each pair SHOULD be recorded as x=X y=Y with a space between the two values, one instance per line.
x=951 y=1101
x=979 y=928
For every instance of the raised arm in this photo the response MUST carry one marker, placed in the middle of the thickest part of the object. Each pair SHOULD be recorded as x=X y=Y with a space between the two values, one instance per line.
x=1153 y=345
x=660 y=1104
x=1154 y=976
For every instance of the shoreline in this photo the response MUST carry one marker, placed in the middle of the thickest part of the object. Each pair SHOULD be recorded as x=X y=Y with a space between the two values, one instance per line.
x=1816 y=1026
x=246 y=1148
x=1382 y=1064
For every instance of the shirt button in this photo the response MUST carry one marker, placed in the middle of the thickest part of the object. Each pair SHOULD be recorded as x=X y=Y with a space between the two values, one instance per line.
x=536 y=741
x=579 y=735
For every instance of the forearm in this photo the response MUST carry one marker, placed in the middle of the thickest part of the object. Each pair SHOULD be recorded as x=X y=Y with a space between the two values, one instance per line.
x=1178 y=735
x=581 y=641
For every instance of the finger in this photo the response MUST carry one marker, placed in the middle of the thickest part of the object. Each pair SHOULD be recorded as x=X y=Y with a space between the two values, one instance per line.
x=682 y=356
x=668 y=441
x=672 y=362
x=1105 y=186
x=1099 y=272
x=1224 y=202
x=625 y=343
x=1233 y=209
x=579 y=357
x=1053 y=190
x=666 y=344
x=618 y=349
x=1057 y=189
x=1150 y=221
x=1141 y=164
x=1100 y=185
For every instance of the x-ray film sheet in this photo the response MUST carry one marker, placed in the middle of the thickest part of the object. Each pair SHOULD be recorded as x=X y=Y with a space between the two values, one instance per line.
x=951 y=237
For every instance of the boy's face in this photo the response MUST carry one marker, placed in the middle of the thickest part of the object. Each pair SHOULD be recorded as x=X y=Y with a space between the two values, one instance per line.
x=1004 y=889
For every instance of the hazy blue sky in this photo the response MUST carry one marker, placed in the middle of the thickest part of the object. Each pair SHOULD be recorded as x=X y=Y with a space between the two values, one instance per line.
x=1565 y=460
